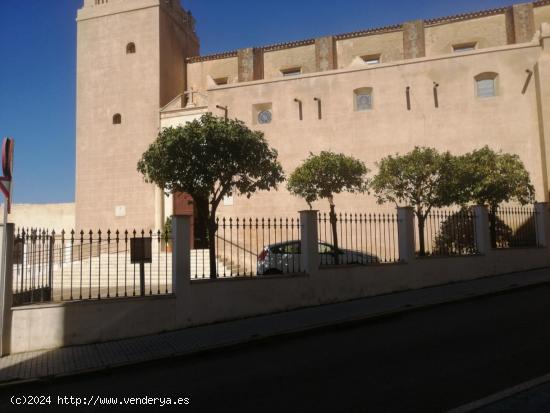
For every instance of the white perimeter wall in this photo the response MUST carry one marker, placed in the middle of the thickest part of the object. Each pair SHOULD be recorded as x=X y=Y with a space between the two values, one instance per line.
x=54 y=217
x=53 y=325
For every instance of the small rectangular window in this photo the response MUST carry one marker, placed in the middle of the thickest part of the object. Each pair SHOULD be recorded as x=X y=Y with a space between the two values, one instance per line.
x=486 y=88
x=295 y=71
x=464 y=47
x=372 y=59
x=221 y=81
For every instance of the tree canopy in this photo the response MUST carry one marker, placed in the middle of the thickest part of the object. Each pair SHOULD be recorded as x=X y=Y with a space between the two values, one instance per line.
x=210 y=158
x=491 y=178
x=327 y=174
x=422 y=179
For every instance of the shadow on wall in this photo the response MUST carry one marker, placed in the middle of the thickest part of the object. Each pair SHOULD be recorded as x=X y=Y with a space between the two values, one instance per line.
x=75 y=323
x=457 y=233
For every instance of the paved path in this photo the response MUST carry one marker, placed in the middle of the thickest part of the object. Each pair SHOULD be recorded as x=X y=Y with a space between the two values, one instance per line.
x=80 y=359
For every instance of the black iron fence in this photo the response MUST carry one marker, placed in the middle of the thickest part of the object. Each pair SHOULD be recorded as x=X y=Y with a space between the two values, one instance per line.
x=514 y=227
x=448 y=233
x=362 y=239
x=66 y=266
x=249 y=247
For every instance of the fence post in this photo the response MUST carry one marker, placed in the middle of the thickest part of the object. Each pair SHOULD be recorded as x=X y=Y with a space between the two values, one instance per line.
x=309 y=260
x=405 y=233
x=181 y=266
x=542 y=219
x=6 y=288
x=481 y=229
x=181 y=253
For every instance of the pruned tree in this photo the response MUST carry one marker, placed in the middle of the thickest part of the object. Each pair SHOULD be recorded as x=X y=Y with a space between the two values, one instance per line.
x=325 y=175
x=422 y=179
x=211 y=158
x=490 y=178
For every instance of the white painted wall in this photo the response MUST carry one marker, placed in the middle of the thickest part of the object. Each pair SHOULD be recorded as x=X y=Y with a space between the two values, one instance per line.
x=48 y=216
x=200 y=302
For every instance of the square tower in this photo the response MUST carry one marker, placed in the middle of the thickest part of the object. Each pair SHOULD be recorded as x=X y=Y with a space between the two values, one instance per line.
x=130 y=62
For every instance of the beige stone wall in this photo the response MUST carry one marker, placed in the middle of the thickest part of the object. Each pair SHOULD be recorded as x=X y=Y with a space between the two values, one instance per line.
x=50 y=217
x=487 y=29
x=200 y=72
x=388 y=45
x=109 y=191
x=109 y=81
x=461 y=123
x=275 y=61
x=486 y=32
x=175 y=44
x=542 y=14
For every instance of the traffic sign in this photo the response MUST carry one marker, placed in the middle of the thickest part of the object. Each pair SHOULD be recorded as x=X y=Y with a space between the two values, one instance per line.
x=7 y=171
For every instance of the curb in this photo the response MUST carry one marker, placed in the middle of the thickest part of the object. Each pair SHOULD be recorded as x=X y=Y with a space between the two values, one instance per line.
x=502 y=395
x=305 y=330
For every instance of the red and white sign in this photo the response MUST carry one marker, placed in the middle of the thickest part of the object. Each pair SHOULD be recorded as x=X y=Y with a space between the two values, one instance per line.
x=7 y=170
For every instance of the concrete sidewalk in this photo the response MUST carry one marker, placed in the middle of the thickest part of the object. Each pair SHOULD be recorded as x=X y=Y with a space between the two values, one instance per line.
x=80 y=359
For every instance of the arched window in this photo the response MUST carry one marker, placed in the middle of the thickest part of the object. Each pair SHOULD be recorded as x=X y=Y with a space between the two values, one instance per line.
x=486 y=84
x=117 y=119
x=130 y=48
x=362 y=99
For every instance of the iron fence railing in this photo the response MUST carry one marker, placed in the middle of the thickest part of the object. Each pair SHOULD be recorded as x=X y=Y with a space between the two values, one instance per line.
x=448 y=233
x=66 y=266
x=362 y=239
x=513 y=227
x=249 y=247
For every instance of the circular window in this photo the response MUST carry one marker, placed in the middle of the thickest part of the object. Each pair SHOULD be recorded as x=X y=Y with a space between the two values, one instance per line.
x=264 y=117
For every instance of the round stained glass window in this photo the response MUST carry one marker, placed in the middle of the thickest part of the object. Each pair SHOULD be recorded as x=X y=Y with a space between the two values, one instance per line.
x=264 y=117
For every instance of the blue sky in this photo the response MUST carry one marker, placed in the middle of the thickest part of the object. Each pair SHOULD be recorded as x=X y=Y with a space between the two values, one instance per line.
x=38 y=59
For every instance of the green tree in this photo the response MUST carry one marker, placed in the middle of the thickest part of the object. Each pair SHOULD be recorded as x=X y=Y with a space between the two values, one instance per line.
x=211 y=158
x=491 y=178
x=325 y=175
x=422 y=179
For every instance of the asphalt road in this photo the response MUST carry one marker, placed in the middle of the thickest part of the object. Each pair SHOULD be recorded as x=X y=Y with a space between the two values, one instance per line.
x=423 y=361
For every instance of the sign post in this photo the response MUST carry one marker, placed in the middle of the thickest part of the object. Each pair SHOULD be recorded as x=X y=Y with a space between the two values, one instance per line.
x=5 y=295
x=140 y=253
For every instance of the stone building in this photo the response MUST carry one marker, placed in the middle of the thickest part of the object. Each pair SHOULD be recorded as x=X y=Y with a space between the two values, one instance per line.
x=456 y=83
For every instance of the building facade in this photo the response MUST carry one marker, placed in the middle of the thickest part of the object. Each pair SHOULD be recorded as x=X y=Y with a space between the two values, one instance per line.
x=455 y=83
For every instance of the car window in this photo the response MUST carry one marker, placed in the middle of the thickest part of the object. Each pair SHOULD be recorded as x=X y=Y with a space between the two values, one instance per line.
x=290 y=248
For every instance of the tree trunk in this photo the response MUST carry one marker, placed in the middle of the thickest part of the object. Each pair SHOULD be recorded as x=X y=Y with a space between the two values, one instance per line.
x=493 y=225
x=201 y=231
x=334 y=234
x=212 y=229
x=421 y=225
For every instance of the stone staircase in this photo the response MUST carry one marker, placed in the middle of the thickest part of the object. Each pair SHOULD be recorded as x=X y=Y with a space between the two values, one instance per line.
x=103 y=273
